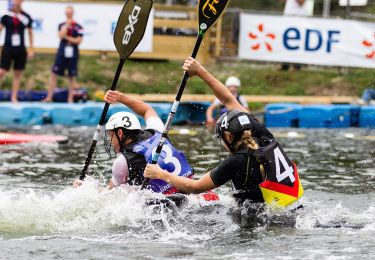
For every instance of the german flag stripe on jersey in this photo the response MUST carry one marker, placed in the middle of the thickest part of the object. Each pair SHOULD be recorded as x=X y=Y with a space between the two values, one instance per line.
x=280 y=194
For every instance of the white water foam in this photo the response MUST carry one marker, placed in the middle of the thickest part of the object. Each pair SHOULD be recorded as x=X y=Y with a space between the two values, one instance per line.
x=85 y=211
x=352 y=212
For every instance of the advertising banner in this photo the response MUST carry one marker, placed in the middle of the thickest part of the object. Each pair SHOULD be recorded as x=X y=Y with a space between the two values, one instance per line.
x=97 y=19
x=329 y=42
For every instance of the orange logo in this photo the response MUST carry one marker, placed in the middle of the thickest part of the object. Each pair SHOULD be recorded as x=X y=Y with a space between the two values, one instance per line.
x=261 y=37
x=209 y=7
x=370 y=44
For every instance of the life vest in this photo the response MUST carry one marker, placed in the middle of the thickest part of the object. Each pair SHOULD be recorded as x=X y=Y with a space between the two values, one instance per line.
x=281 y=184
x=171 y=160
x=224 y=109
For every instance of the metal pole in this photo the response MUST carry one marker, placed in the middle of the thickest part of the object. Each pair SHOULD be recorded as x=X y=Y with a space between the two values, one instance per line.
x=326 y=8
x=347 y=9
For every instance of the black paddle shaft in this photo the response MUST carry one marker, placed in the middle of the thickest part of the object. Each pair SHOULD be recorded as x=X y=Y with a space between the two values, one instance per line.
x=101 y=122
x=186 y=75
x=173 y=110
x=129 y=31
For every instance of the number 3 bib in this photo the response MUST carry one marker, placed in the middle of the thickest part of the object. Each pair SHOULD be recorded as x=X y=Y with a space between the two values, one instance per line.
x=171 y=160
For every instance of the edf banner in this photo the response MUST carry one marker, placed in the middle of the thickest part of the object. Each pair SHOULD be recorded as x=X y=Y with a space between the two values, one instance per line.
x=97 y=19
x=331 y=42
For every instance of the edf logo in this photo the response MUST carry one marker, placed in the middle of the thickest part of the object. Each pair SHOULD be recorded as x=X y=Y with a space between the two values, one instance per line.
x=309 y=39
x=294 y=39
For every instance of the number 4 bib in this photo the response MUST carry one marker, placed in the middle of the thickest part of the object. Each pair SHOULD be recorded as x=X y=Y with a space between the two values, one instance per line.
x=281 y=185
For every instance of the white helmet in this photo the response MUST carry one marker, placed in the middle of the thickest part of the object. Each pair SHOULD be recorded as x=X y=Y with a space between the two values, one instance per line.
x=126 y=120
x=233 y=81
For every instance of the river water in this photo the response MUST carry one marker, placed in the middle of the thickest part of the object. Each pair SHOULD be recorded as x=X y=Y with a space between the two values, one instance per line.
x=43 y=217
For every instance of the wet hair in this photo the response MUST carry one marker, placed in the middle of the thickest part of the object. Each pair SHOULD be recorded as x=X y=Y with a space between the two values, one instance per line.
x=131 y=134
x=247 y=140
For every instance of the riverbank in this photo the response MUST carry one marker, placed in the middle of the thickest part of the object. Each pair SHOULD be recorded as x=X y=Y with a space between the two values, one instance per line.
x=161 y=77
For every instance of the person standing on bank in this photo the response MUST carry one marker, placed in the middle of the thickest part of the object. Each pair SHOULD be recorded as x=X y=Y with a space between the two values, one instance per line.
x=15 y=22
x=233 y=84
x=258 y=167
x=70 y=33
x=297 y=8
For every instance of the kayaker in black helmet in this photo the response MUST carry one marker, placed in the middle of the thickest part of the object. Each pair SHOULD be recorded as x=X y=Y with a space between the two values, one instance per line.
x=259 y=169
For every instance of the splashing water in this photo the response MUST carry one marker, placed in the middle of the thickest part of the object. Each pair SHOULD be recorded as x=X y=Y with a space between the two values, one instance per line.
x=38 y=205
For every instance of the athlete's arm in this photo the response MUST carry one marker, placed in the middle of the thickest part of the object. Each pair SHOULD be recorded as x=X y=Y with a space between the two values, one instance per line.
x=63 y=30
x=193 y=67
x=74 y=40
x=1 y=28
x=138 y=106
x=205 y=183
x=31 y=41
x=209 y=113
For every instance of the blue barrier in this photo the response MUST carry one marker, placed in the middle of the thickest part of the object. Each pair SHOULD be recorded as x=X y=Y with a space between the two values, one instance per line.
x=162 y=109
x=276 y=115
x=191 y=113
x=91 y=113
x=35 y=115
x=282 y=115
x=10 y=115
x=67 y=114
x=328 y=116
x=367 y=117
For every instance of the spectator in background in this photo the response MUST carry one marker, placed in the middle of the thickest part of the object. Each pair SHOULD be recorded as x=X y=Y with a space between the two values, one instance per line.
x=367 y=97
x=70 y=33
x=232 y=83
x=297 y=8
x=14 y=50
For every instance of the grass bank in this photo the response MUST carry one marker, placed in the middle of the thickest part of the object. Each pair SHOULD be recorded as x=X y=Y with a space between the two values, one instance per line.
x=164 y=77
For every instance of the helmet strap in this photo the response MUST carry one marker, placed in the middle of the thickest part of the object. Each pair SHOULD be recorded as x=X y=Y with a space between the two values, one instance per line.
x=121 y=143
x=232 y=144
x=229 y=145
x=108 y=145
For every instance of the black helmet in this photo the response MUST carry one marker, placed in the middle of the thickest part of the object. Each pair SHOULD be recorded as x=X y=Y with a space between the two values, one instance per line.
x=234 y=121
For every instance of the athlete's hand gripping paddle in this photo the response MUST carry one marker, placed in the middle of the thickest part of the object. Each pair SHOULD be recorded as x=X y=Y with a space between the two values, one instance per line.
x=130 y=28
x=208 y=13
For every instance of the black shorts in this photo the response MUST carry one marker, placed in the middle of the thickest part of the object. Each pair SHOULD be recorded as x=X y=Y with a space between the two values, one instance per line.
x=62 y=64
x=18 y=55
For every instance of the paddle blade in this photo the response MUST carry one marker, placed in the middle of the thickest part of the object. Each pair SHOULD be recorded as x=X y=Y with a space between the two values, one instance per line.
x=209 y=12
x=131 y=26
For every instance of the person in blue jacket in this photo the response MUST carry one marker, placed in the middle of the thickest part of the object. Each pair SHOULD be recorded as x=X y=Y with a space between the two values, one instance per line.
x=70 y=34
x=133 y=146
